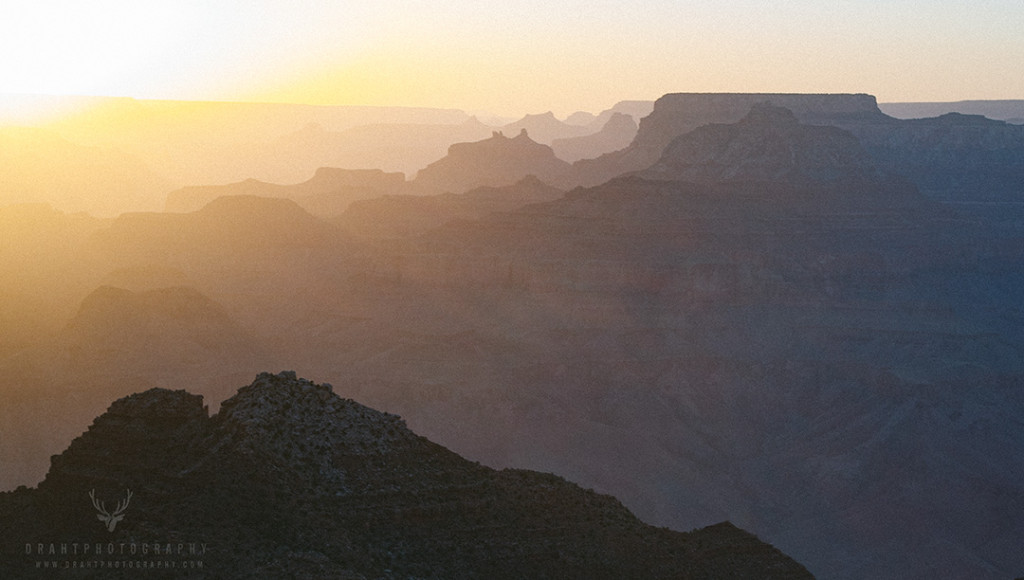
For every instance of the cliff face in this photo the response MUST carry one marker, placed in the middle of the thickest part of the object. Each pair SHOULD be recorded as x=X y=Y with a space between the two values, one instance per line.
x=767 y=144
x=679 y=113
x=961 y=158
x=289 y=479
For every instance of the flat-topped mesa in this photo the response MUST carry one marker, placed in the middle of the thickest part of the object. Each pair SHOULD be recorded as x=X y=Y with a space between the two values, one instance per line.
x=678 y=113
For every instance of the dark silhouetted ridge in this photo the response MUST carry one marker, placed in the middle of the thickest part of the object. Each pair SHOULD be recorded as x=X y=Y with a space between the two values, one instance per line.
x=288 y=479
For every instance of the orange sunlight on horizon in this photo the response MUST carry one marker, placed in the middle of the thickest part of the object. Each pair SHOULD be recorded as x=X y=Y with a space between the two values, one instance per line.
x=513 y=58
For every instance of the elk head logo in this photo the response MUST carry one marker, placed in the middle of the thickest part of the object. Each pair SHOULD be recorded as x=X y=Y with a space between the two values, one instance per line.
x=110 y=519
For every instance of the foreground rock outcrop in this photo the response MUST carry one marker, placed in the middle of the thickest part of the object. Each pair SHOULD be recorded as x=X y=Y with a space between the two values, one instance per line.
x=290 y=480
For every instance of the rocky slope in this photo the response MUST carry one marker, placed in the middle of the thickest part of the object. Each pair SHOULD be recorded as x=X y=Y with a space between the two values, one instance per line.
x=961 y=158
x=288 y=479
x=493 y=162
x=768 y=144
x=680 y=113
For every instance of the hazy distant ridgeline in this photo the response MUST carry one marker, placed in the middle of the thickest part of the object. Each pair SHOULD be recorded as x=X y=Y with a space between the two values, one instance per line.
x=1011 y=111
x=770 y=321
x=121 y=155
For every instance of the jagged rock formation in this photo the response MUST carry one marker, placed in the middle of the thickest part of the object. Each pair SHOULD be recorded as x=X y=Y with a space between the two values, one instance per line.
x=959 y=158
x=493 y=162
x=409 y=215
x=328 y=193
x=617 y=133
x=545 y=128
x=680 y=113
x=635 y=109
x=288 y=479
x=768 y=144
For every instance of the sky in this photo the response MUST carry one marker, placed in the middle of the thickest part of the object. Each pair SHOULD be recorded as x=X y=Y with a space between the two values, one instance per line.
x=510 y=57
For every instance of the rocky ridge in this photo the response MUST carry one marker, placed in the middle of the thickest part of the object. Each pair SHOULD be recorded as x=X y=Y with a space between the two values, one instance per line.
x=288 y=479
x=679 y=113
x=497 y=161
x=953 y=157
x=768 y=144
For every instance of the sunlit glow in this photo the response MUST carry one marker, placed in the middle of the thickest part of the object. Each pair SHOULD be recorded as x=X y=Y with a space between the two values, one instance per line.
x=510 y=57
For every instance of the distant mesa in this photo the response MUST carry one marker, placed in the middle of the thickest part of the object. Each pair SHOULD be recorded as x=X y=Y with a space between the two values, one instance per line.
x=494 y=162
x=1010 y=110
x=300 y=482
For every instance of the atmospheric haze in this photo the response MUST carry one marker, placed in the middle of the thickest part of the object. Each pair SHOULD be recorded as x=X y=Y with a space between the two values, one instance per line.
x=677 y=253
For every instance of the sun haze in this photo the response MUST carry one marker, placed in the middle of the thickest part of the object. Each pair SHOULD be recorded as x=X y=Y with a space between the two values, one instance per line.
x=510 y=57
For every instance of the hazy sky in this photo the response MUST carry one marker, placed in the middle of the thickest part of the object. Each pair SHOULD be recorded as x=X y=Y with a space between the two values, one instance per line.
x=513 y=56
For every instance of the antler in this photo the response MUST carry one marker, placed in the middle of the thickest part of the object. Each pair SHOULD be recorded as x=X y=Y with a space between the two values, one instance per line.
x=99 y=505
x=122 y=507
